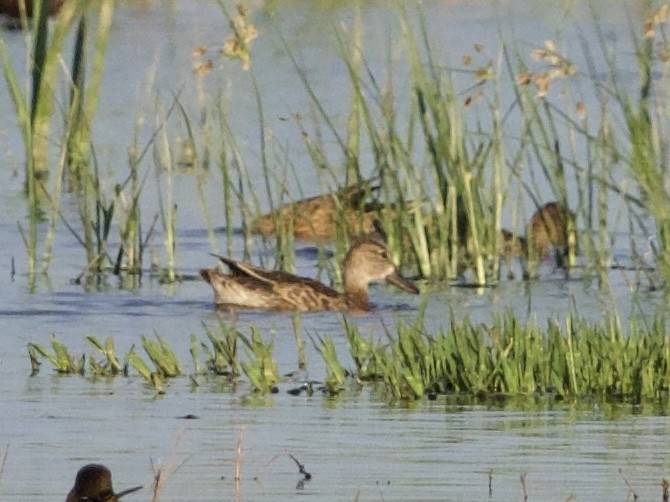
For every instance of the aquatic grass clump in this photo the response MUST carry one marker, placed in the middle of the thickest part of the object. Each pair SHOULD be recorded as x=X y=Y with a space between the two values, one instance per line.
x=366 y=353
x=160 y=363
x=260 y=367
x=336 y=375
x=110 y=364
x=575 y=361
x=166 y=365
x=162 y=356
x=222 y=358
x=60 y=358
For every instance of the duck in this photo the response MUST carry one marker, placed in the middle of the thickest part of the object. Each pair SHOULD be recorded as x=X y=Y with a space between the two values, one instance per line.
x=93 y=483
x=250 y=287
x=315 y=219
x=551 y=228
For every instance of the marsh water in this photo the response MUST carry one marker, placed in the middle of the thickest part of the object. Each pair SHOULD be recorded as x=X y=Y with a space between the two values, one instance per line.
x=358 y=446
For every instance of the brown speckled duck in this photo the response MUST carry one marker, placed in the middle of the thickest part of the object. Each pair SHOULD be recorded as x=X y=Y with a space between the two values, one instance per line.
x=552 y=227
x=94 y=484
x=250 y=287
x=315 y=219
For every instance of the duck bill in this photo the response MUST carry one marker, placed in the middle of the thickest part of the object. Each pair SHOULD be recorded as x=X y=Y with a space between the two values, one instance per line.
x=129 y=490
x=400 y=282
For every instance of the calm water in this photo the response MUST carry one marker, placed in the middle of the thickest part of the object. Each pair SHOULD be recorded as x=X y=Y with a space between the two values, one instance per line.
x=357 y=447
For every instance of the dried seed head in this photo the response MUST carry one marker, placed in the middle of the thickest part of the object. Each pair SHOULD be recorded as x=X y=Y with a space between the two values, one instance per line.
x=542 y=82
x=199 y=51
x=524 y=79
x=203 y=68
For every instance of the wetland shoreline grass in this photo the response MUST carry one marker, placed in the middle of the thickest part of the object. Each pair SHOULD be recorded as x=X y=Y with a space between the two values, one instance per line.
x=572 y=360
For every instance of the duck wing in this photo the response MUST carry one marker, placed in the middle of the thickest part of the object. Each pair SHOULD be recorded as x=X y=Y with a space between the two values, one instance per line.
x=244 y=269
x=275 y=278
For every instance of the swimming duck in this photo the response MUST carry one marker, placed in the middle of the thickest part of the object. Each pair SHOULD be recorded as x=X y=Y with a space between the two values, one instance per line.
x=94 y=484
x=255 y=288
x=316 y=218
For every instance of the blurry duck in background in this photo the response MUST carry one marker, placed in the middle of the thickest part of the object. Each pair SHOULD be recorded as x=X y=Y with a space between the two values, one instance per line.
x=249 y=287
x=316 y=219
x=550 y=229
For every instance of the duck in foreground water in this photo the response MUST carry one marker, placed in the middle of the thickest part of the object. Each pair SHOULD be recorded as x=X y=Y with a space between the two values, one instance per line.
x=94 y=484
x=250 y=287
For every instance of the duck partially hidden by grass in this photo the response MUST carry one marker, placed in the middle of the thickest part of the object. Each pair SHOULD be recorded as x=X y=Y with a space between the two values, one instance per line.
x=316 y=219
x=94 y=484
x=552 y=228
x=250 y=287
